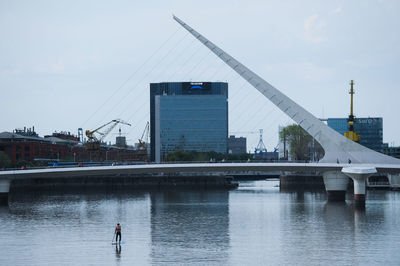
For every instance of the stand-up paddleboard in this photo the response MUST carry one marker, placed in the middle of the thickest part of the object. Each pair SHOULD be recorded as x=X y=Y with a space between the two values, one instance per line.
x=118 y=243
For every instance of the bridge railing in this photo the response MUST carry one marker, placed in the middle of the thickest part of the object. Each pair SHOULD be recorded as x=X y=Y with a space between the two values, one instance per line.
x=109 y=163
x=379 y=183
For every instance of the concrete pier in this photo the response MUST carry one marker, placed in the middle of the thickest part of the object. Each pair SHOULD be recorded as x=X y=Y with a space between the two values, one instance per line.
x=335 y=185
x=359 y=176
x=301 y=181
x=4 y=190
x=394 y=180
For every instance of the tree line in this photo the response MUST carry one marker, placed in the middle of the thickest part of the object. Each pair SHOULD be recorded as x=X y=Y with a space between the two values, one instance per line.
x=300 y=145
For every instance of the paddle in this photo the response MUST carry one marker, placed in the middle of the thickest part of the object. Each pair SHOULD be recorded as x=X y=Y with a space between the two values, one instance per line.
x=113 y=238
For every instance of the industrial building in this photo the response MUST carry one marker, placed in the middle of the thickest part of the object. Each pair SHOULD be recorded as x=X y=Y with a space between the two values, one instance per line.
x=370 y=130
x=236 y=145
x=26 y=146
x=188 y=116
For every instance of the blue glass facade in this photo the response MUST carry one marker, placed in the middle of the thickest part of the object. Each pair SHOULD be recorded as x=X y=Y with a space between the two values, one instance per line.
x=370 y=130
x=190 y=116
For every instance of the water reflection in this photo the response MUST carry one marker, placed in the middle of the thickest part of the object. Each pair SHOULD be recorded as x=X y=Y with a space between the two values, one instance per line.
x=72 y=227
x=256 y=224
x=189 y=227
x=118 y=252
x=301 y=227
x=302 y=195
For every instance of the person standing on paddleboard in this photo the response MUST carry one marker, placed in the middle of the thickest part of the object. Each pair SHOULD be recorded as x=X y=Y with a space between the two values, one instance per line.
x=118 y=232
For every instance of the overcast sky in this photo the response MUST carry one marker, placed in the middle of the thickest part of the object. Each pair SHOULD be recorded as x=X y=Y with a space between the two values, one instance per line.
x=71 y=64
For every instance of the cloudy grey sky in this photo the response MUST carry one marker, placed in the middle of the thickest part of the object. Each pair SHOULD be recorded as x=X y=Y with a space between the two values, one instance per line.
x=71 y=64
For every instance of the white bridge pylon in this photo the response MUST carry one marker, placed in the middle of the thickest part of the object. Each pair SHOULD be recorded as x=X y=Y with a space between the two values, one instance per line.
x=336 y=146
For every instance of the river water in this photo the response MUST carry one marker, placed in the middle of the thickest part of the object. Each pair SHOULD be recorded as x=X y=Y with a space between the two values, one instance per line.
x=255 y=224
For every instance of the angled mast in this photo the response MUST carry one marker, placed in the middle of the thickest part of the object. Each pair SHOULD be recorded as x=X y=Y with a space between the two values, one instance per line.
x=336 y=146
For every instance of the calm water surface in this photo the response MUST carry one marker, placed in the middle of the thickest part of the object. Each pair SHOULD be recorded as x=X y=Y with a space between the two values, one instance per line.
x=253 y=225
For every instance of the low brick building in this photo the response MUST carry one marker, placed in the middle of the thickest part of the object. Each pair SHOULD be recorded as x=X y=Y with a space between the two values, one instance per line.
x=30 y=147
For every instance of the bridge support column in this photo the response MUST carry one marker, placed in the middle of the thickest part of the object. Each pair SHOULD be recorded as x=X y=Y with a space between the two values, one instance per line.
x=4 y=190
x=394 y=180
x=359 y=176
x=335 y=185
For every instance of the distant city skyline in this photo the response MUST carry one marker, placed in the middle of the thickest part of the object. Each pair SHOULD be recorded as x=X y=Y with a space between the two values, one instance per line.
x=67 y=65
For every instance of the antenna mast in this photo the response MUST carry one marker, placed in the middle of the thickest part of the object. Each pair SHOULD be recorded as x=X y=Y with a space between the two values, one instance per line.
x=351 y=134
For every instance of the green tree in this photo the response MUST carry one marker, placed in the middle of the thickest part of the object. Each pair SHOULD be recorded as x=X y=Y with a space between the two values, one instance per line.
x=194 y=156
x=5 y=162
x=179 y=156
x=301 y=144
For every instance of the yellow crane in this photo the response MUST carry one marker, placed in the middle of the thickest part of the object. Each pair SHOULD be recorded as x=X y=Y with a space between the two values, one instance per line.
x=93 y=142
x=351 y=134
x=144 y=139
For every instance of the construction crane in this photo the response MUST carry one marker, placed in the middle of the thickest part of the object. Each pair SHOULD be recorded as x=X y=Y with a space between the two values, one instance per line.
x=144 y=138
x=351 y=134
x=260 y=152
x=93 y=142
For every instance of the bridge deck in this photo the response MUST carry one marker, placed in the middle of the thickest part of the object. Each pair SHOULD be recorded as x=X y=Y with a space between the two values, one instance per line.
x=194 y=167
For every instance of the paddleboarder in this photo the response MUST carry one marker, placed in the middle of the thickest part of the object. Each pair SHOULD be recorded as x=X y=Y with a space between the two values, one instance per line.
x=118 y=232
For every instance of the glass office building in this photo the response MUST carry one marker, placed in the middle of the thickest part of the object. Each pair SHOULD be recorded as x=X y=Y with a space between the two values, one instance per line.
x=188 y=116
x=370 y=130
